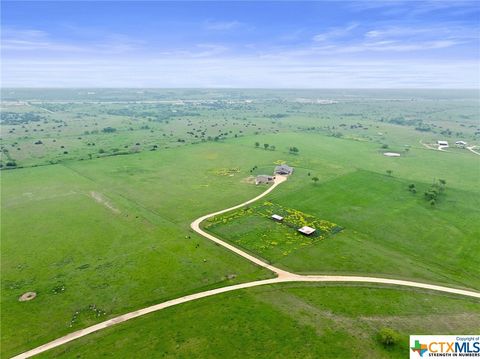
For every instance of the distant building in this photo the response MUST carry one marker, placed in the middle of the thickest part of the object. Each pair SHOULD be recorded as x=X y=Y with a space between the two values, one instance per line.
x=460 y=144
x=261 y=179
x=391 y=154
x=278 y=218
x=442 y=143
x=307 y=230
x=283 y=170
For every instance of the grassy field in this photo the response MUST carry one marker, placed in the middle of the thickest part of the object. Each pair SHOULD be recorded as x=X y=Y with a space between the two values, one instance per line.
x=129 y=247
x=99 y=233
x=52 y=126
x=284 y=321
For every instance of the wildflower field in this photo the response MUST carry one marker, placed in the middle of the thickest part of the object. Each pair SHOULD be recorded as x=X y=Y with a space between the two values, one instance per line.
x=253 y=229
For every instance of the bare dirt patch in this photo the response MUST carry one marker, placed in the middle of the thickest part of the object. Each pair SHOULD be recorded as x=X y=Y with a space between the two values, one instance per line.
x=249 y=180
x=27 y=296
x=102 y=200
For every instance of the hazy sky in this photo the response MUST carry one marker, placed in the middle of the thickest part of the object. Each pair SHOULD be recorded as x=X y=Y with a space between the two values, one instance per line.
x=362 y=44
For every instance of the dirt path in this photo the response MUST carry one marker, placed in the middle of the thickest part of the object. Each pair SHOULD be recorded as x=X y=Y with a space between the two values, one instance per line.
x=195 y=225
x=472 y=149
x=102 y=200
x=35 y=106
x=282 y=277
x=438 y=148
x=426 y=145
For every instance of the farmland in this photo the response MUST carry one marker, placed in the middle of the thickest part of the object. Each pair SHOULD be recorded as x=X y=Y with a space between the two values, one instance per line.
x=99 y=189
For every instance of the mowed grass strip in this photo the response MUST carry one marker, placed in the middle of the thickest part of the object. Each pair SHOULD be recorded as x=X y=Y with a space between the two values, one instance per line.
x=296 y=320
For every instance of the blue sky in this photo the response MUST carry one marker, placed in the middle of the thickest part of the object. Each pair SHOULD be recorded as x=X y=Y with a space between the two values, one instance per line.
x=361 y=44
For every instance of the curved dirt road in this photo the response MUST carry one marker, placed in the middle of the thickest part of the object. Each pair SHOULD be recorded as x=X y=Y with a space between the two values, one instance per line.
x=472 y=149
x=282 y=277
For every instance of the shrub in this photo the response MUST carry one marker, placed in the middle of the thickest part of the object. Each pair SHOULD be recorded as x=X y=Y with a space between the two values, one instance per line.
x=388 y=337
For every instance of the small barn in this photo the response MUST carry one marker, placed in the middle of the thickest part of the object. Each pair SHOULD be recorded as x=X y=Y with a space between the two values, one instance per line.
x=283 y=170
x=307 y=230
x=442 y=143
x=460 y=144
x=260 y=179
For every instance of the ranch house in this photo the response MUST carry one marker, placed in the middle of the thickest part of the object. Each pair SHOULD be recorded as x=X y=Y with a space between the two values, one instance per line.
x=283 y=170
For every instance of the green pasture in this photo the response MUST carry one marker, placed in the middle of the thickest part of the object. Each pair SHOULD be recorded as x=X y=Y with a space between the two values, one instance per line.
x=284 y=321
x=106 y=229
x=388 y=231
x=56 y=234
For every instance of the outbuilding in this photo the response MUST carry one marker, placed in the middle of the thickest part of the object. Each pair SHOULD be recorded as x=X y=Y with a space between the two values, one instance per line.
x=277 y=218
x=264 y=179
x=307 y=230
x=442 y=143
x=460 y=144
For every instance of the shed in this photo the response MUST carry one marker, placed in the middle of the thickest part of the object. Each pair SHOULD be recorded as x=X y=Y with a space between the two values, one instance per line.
x=264 y=179
x=442 y=143
x=276 y=217
x=306 y=230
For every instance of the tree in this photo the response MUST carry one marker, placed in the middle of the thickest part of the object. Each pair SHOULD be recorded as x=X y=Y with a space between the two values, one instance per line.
x=272 y=148
x=389 y=172
x=388 y=337
x=293 y=150
x=431 y=193
x=443 y=183
x=109 y=129
x=257 y=144
x=315 y=179
x=266 y=145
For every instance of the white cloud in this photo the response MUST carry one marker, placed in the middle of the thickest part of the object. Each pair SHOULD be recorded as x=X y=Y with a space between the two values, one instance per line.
x=447 y=31
x=321 y=63
x=335 y=33
x=28 y=40
x=247 y=71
